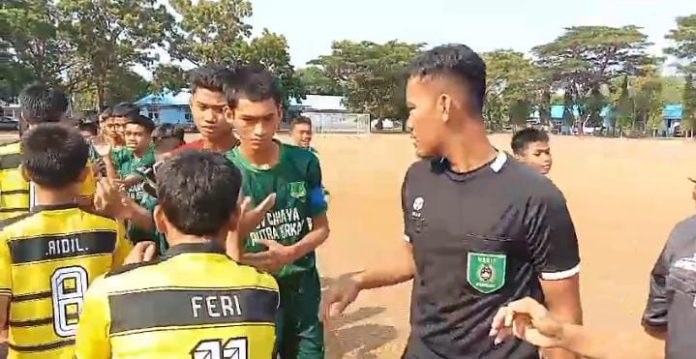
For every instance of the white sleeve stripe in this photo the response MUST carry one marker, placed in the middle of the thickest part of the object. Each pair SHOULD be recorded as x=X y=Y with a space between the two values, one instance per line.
x=407 y=238
x=561 y=275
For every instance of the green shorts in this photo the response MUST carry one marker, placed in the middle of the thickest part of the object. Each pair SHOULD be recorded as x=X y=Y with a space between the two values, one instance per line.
x=300 y=333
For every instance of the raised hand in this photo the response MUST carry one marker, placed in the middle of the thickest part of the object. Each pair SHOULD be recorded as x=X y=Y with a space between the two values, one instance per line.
x=528 y=320
x=339 y=296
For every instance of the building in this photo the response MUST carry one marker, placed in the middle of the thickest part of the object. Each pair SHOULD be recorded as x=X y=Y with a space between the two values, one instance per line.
x=167 y=107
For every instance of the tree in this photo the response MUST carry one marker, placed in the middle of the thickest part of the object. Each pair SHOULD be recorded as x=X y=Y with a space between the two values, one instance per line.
x=648 y=102
x=684 y=38
x=211 y=31
x=672 y=89
x=29 y=34
x=215 y=32
x=317 y=82
x=121 y=85
x=513 y=86
x=110 y=35
x=689 y=102
x=624 y=108
x=586 y=57
x=371 y=74
x=13 y=76
x=272 y=51
x=168 y=77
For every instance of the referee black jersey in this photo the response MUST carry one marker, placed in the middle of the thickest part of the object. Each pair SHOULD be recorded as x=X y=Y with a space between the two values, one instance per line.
x=480 y=240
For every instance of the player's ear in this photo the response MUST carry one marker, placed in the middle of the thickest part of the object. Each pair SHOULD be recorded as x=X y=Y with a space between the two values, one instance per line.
x=444 y=106
x=25 y=173
x=229 y=114
x=160 y=220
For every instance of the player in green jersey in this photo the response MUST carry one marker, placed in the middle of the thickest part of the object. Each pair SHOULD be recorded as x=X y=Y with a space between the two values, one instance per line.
x=301 y=132
x=126 y=160
x=283 y=243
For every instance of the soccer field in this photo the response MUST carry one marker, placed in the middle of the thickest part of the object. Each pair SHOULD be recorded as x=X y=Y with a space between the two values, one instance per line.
x=624 y=196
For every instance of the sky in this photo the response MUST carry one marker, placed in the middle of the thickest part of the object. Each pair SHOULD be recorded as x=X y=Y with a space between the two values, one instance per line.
x=310 y=26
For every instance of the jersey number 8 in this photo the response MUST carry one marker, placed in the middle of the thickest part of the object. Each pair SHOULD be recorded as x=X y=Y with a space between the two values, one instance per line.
x=68 y=288
x=235 y=348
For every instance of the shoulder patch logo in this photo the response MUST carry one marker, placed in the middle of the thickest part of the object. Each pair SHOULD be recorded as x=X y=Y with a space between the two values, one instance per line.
x=486 y=272
x=418 y=204
x=297 y=189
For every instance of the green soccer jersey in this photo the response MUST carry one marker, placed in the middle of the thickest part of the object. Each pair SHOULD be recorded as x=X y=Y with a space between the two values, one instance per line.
x=296 y=181
x=137 y=234
x=127 y=163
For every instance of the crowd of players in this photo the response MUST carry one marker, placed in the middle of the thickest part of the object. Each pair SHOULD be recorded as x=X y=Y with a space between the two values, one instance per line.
x=119 y=239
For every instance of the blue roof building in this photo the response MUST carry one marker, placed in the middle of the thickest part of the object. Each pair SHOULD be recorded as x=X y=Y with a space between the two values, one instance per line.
x=167 y=107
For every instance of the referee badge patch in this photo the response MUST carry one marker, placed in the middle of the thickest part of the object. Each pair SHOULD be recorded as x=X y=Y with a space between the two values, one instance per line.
x=486 y=272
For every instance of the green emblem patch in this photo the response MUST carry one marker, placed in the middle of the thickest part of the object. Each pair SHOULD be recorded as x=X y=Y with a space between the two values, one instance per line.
x=297 y=189
x=486 y=272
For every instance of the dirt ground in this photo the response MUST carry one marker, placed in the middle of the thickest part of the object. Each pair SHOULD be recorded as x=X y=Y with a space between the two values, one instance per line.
x=624 y=196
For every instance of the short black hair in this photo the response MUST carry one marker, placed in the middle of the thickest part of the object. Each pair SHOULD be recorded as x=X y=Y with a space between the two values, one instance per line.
x=54 y=155
x=454 y=60
x=209 y=186
x=167 y=130
x=300 y=120
x=125 y=109
x=167 y=144
x=41 y=103
x=253 y=82
x=107 y=112
x=524 y=137
x=143 y=121
x=210 y=77
x=88 y=124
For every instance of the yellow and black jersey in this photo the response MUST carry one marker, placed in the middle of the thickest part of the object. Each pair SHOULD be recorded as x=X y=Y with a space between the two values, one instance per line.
x=16 y=194
x=48 y=258
x=195 y=302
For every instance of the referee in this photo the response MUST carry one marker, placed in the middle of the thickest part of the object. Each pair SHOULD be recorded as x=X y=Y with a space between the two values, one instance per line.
x=481 y=229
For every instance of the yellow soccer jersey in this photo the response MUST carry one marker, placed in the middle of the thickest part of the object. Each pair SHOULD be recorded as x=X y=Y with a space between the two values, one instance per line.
x=195 y=302
x=16 y=195
x=48 y=258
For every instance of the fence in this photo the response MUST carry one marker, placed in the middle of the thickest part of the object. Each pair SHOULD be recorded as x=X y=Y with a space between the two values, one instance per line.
x=338 y=122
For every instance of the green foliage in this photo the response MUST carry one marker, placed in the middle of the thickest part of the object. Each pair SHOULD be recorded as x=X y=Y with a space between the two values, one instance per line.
x=211 y=31
x=272 y=51
x=13 y=76
x=29 y=28
x=514 y=86
x=371 y=74
x=684 y=38
x=624 y=108
x=216 y=32
x=586 y=57
x=648 y=102
x=108 y=35
x=689 y=103
x=168 y=77
x=317 y=82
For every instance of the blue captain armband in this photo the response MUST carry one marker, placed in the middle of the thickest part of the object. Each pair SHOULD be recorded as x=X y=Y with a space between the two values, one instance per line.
x=317 y=199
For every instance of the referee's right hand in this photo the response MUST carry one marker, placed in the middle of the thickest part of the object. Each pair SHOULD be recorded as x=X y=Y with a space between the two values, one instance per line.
x=339 y=296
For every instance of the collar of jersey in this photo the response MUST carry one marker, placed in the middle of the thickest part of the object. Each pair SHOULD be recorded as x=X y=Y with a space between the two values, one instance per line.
x=54 y=207
x=250 y=166
x=182 y=248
